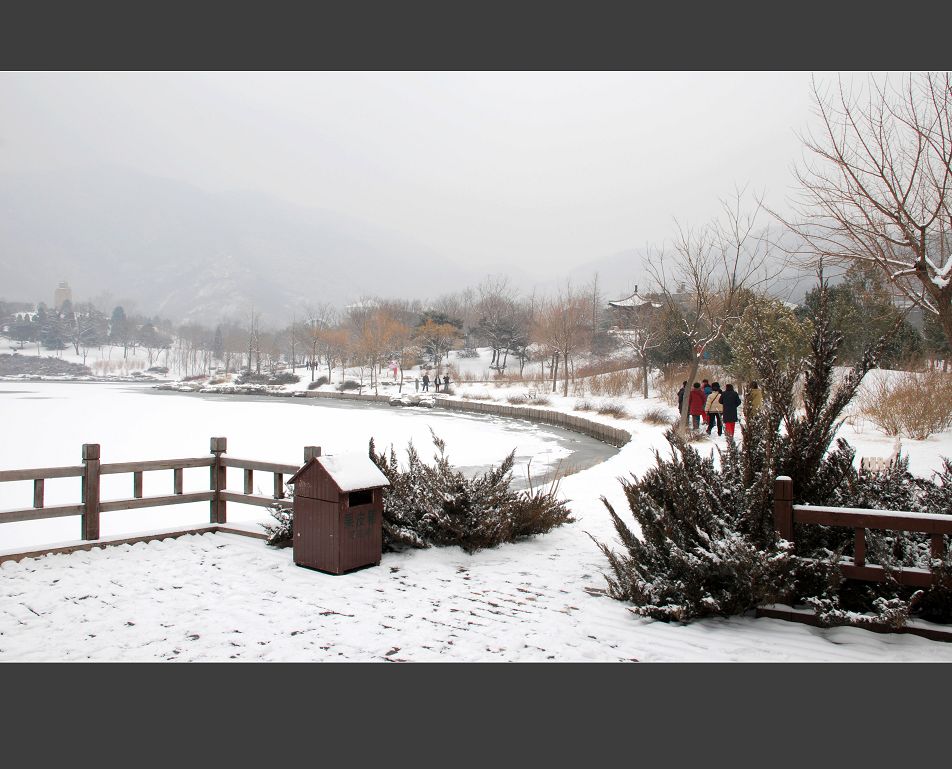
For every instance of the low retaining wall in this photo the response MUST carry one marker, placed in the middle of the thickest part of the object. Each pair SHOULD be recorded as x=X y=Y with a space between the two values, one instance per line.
x=613 y=436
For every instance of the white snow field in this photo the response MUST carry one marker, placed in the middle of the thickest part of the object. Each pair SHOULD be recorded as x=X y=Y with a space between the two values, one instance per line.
x=223 y=597
x=44 y=424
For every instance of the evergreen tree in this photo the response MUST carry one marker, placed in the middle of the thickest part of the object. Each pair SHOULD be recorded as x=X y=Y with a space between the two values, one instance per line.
x=708 y=544
x=861 y=310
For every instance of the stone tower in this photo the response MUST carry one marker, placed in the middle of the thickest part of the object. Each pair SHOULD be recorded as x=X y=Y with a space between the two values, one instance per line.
x=62 y=295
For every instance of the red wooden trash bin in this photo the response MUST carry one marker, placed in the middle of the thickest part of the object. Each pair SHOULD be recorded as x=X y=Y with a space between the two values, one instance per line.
x=338 y=505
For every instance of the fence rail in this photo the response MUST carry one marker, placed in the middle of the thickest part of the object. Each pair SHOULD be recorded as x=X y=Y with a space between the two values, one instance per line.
x=786 y=514
x=91 y=504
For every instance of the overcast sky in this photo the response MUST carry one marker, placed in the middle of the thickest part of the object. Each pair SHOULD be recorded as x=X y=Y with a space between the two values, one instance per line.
x=491 y=169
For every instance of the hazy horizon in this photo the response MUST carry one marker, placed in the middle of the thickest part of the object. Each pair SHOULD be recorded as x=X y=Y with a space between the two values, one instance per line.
x=544 y=170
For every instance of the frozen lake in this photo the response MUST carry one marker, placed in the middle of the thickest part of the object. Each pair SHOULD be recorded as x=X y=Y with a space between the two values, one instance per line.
x=44 y=424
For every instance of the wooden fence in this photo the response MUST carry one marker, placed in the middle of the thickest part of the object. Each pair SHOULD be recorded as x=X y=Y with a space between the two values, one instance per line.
x=786 y=514
x=91 y=505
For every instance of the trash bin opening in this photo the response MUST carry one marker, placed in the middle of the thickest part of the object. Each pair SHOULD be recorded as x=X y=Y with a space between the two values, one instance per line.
x=357 y=498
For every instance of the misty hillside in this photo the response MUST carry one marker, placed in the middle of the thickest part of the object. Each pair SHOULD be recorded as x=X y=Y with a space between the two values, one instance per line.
x=183 y=253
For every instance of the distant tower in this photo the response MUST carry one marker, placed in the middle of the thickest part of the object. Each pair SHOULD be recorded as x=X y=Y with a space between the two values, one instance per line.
x=62 y=295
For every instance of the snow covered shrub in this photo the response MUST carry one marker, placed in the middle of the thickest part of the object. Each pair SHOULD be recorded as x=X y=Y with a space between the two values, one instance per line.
x=613 y=409
x=518 y=400
x=935 y=603
x=248 y=377
x=286 y=377
x=914 y=404
x=699 y=553
x=657 y=416
x=436 y=505
x=348 y=384
x=584 y=405
x=429 y=505
x=708 y=544
x=542 y=400
x=319 y=382
x=280 y=533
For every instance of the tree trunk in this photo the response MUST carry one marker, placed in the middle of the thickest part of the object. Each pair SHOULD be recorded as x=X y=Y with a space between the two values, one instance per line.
x=565 y=375
x=555 y=372
x=644 y=364
x=683 y=420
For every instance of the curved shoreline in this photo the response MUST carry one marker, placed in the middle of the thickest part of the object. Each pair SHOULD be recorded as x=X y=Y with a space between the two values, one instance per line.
x=584 y=456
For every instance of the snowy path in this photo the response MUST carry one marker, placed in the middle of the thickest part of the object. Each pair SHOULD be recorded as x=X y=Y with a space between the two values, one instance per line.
x=222 y=597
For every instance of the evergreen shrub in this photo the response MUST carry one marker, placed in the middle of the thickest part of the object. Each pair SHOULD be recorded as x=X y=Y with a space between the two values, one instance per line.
x=427 y=505
x=707 y=544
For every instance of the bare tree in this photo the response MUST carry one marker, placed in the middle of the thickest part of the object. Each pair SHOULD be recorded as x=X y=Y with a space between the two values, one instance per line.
x=562 y=327
x=876 y=185
x=496 y=310
x=705 y=279
x=644 y=335
x=320 y=318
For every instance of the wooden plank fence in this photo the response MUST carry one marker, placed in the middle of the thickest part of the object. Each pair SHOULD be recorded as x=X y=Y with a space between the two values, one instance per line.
x=786 y=514
x=91 y=505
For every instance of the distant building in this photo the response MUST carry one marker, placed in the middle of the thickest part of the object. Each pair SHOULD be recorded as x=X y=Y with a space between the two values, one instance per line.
x=630 y=311
x=62 y=295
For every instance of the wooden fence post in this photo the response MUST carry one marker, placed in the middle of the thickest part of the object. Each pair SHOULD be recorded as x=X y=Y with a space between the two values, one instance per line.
x=90 y=517
x=783 y=506
x=218 y=481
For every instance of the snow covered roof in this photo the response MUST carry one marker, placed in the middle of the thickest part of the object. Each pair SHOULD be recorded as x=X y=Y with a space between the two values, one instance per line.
x=635 y=300
x=351 y=472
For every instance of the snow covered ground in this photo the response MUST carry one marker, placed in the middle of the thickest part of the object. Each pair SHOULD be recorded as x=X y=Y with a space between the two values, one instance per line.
x=221 y=597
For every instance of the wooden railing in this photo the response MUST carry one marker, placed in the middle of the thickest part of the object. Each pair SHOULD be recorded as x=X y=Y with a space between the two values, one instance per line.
x=786 y=514
x=91 y=505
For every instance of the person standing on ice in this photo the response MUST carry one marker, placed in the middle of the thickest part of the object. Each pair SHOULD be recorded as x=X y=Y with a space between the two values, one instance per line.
x=426 y=382
x=696 y=405
x=730 y=400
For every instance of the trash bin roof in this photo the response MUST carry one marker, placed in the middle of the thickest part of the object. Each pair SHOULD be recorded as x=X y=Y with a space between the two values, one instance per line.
x=349 y=472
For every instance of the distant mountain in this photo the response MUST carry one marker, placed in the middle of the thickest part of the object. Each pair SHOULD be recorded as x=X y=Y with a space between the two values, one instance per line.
x=187 y=254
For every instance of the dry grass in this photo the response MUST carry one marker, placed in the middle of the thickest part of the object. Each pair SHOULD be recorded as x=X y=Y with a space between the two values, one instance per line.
x=604 y=367
x=518 y=400
x=542 y=400
x=656 y=416
x=476 y=396
x=915 y=404
x=613 y=409
x=617 y=384
x=582 y=404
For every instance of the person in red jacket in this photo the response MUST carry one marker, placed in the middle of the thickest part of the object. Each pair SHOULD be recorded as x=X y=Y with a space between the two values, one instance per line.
x=696 y=404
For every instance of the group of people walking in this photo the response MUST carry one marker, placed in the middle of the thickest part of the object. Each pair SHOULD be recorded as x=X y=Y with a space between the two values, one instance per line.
x=719 y=407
